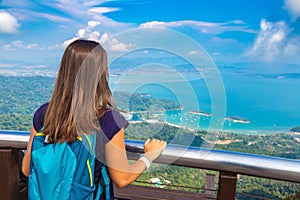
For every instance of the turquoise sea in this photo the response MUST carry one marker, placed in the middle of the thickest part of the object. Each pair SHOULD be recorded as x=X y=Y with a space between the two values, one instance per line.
x=271 y=104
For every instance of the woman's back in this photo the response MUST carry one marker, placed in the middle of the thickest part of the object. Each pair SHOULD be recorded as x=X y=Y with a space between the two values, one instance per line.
x=81 y=104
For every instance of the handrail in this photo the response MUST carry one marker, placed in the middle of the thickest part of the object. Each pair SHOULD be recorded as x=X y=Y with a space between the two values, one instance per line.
x=211 y=159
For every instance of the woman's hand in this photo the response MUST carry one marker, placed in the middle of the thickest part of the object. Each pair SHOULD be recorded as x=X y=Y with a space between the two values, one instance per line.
x=153 y=148
x=121 y=172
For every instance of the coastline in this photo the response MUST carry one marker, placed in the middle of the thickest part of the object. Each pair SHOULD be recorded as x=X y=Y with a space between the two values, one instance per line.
x=227 y=128
x=233 y=124
x=181 y=127
x=266 y=131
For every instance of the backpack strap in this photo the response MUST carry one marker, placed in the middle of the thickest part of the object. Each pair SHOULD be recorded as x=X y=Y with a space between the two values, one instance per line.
x=104 y=184
x=38 y=142
x=106 y=181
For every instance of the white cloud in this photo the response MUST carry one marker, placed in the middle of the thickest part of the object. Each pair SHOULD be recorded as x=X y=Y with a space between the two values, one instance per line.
x=92 y=3
x=154 y=24
x=104 y=38
x=8 y=23
x=204 y=27
x=71 y=7
x=273 y=42
x=158 y=24
x=31 y=46
x=26 y=14
x=75 y=10
x=292 y=48
x=93 y=24
x=216 y=54
x=102 y=10
x=111 y=26
x=52 y=17
x=237 y=22
x=65 y=43
x=95 y=35
x=81 y=33
x=193 y=52
x=17 y=43
x=90 y=33
x=29 y=70
x=57 y=46
x=8 y=47
x=293 y=7
x=116 y=46
x=74 y=13
x=86 y=33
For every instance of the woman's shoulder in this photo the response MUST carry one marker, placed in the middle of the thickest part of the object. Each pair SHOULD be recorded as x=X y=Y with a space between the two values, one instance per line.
x=112 y=122
x=113 y=114
x=39 y=116
x=110 y=112
x=42 y=109
x=44 y=105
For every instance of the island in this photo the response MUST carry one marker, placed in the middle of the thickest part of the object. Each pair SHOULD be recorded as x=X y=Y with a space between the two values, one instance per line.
x=198 y=112
x=237 y=119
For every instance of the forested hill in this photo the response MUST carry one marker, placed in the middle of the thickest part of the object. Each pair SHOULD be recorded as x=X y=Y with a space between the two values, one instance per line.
x=21 y=96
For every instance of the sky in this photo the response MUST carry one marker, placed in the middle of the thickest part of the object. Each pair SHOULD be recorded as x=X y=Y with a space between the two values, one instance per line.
x=249 y=35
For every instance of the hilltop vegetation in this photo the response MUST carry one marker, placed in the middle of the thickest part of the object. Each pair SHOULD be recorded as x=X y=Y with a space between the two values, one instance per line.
x=142 y=102
x=21 y=96
x=280 y=145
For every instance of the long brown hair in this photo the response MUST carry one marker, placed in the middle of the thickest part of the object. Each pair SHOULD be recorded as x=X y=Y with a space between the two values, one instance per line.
x=81 y=94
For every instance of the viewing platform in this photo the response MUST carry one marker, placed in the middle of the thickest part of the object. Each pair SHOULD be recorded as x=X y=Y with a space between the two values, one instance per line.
x=13 y=184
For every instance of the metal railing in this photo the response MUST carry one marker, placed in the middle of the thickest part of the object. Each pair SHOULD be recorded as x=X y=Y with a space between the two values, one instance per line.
x=229 y=164
x=228 y=161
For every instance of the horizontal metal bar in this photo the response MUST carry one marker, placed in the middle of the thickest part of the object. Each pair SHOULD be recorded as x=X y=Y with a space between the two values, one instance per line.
x=14 y=139
x=211 y=159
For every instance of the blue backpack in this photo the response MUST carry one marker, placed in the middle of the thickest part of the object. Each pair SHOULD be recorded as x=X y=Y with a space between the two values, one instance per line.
x=65 y=171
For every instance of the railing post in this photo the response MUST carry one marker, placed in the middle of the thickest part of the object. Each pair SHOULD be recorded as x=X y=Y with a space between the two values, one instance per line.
x=210 y=184
x=227 y=186
x=9 y=173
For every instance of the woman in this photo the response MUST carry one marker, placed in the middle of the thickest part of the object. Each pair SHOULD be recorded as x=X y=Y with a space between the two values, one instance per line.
x=82 y=103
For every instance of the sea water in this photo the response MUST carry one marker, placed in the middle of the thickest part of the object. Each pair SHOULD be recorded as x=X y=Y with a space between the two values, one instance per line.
x=268 y=104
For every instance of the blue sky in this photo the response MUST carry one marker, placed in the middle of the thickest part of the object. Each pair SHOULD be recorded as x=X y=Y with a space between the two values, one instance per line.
x=261 y=35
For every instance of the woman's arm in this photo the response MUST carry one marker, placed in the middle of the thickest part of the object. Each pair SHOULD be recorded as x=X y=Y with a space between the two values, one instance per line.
x=121 y=172
x=26 y=159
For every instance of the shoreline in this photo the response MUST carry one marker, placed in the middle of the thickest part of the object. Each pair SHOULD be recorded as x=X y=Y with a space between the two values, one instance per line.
x=181 y=127
x=240 y=131
x=252 y=131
